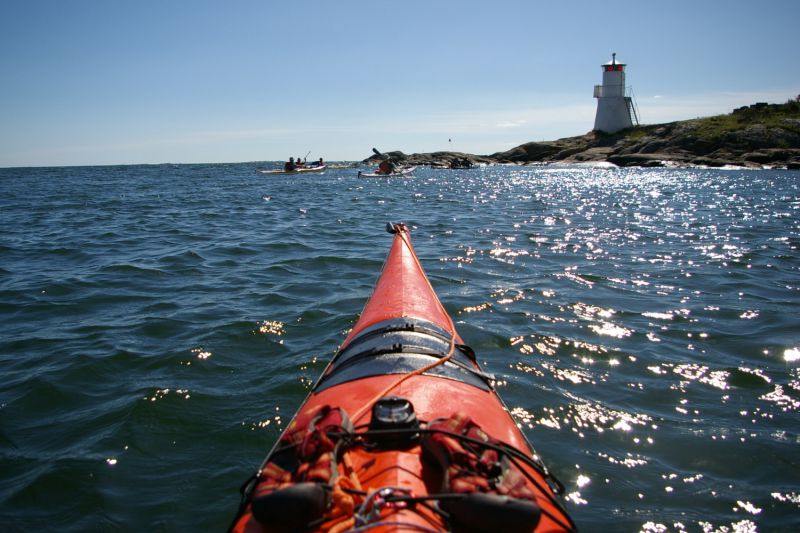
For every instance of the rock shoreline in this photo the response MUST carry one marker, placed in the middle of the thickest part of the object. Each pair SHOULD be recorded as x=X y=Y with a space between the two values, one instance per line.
x=758 y=136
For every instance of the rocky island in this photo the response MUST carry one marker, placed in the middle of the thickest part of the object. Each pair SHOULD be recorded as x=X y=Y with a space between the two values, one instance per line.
x=756 y=136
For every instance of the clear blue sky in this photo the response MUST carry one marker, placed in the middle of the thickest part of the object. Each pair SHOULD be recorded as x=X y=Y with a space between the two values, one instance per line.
x=114 y=82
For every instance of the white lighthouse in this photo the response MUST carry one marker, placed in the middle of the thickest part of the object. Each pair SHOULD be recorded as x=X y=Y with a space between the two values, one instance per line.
x=615 y=108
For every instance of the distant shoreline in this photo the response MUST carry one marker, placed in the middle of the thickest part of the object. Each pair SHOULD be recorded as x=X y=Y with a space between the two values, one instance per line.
x=760 y=136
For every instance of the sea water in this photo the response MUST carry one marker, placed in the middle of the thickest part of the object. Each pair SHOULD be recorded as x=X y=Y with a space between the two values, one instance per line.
x=161 y=324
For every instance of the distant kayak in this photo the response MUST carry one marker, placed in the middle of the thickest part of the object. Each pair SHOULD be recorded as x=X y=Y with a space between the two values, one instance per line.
x=299 y=170
x=399 y=172
x=452 y=167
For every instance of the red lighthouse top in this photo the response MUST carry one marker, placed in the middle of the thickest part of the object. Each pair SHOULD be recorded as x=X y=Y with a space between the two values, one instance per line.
x=613 y=65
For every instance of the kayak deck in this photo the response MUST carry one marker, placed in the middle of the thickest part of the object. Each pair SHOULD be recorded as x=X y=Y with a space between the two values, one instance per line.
x=400 y=383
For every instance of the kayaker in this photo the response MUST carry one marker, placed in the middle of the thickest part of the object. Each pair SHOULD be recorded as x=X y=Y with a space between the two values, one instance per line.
x=289 y=166
x=386 y=167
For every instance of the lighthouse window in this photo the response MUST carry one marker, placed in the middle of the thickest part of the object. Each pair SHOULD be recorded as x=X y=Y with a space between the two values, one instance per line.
x=609 y=68
x=618 y=67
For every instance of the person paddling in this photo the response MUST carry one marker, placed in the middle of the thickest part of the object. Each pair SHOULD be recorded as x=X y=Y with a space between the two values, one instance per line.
x=386 y=167
x=289 y=165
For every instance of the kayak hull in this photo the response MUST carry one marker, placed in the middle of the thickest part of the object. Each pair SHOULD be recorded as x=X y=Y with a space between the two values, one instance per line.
x=281 y=172
x=405 y=345
x=404 y=172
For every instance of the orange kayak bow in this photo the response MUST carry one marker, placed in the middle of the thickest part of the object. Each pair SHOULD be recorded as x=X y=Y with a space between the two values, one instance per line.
x=402 y=432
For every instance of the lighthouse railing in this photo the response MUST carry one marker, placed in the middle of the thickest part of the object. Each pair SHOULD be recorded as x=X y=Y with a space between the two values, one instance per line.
x=633 y=110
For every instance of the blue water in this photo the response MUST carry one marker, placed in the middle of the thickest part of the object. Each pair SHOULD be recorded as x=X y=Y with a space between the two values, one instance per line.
x=160 y=325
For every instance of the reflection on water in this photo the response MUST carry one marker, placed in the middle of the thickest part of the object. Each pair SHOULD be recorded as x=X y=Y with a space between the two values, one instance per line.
x=161 y=323
x=649 y=307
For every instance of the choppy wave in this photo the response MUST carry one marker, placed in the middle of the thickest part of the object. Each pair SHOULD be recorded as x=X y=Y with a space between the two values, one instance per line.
x=162 y=323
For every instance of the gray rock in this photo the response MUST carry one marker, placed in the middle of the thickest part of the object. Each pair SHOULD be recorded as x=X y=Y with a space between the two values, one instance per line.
x=752 y=136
